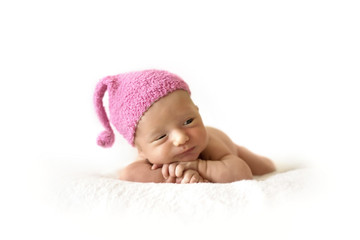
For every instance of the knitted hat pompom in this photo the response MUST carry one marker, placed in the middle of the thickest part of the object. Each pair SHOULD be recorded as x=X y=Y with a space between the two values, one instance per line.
x=106 y=139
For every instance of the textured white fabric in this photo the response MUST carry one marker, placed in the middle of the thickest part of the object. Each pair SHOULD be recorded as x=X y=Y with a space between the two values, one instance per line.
x=249 y=208
x=108 y=194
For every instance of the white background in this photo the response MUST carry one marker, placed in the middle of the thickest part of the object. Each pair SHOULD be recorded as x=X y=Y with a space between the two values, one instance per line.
x=280 y=77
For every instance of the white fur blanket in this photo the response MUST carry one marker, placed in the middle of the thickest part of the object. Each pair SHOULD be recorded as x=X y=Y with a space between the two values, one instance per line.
x=293 y=203
x=101 y=193
x=244 y=208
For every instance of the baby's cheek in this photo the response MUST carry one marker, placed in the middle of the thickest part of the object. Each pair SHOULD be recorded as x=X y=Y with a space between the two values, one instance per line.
x=200 y=135
x=162 y=156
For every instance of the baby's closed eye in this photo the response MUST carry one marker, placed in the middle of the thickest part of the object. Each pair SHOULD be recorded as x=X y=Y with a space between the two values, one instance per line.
x=160 y=137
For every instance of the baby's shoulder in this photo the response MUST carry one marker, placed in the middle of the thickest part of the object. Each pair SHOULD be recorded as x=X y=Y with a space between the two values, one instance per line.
x=219 y=144
x=218 y=135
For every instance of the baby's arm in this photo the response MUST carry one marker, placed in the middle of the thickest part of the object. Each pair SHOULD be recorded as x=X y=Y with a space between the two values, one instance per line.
x=141 y=171
x=229 y=162
x=230 y=168
x=144 y=171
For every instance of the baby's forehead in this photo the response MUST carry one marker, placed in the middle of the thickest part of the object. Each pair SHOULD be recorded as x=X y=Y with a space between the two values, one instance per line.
x=171 y=111
x=176 y=107
x=175 y=102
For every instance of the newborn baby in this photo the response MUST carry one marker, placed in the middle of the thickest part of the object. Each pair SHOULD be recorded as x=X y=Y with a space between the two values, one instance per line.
x=153 y=110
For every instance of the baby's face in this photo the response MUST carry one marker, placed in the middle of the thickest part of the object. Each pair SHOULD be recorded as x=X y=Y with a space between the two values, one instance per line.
x=171 y=130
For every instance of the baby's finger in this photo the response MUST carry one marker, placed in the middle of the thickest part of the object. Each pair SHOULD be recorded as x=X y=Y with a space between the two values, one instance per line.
x=179 y=170
x=172 y=168
x=165 y=171
x=196 y=178
x=178 y=180
x=187 y=177
x=156 y=166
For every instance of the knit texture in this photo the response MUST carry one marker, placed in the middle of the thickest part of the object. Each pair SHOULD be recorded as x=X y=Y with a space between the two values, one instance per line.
x=130 y=96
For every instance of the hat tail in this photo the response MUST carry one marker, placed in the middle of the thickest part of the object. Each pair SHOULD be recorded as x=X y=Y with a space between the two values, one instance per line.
x=107 y=137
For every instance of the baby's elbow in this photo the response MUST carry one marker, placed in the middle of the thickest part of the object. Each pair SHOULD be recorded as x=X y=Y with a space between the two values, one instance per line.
x=128 y=173
x=124 y=175
x=243 y=175
x=242 y=172
x=237 y=177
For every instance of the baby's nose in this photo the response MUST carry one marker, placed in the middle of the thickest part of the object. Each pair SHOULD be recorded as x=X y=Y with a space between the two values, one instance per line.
x=180 y=138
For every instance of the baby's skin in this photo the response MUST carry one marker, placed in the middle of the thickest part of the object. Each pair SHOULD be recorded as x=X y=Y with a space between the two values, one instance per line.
x=174 y=146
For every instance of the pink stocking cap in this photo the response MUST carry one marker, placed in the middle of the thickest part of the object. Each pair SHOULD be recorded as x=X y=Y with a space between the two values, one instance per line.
x=130 y=96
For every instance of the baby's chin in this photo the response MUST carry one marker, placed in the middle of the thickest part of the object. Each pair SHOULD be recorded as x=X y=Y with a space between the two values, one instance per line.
x=188 y=158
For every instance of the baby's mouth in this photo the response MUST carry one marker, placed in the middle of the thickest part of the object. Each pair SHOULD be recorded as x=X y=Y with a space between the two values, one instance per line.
x=186 y=152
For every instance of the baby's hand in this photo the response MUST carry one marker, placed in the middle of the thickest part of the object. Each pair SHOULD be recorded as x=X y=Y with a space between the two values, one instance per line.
x=177 y=169
x=156 y=166
x=180 y=172
x=192 y=176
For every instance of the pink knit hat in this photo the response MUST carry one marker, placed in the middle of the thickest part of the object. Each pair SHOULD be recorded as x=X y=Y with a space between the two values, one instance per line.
x=130 y=96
